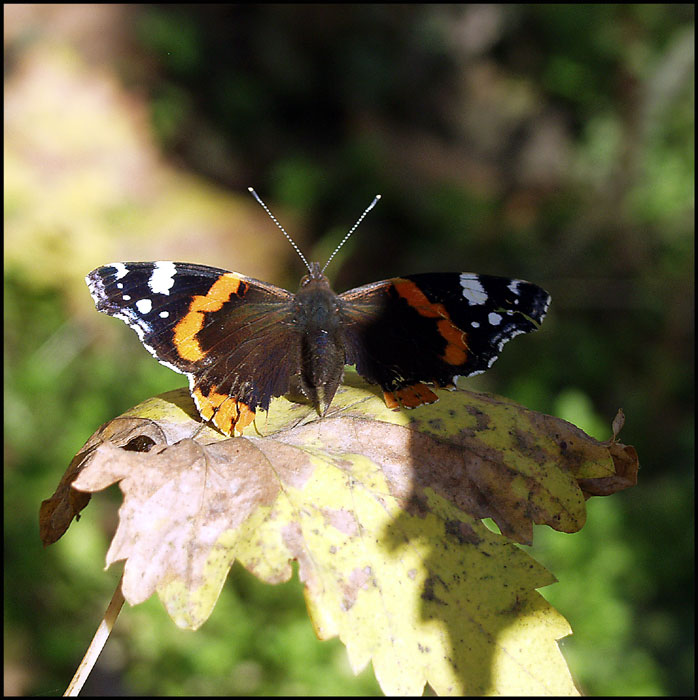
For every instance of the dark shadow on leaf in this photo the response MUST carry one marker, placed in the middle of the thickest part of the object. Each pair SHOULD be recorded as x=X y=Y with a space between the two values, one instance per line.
x=478 y=583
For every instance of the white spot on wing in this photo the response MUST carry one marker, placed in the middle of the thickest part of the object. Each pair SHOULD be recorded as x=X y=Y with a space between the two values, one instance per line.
x=473 y=291
x=121 y=269
x=494 y=319
x=145 y=306
x=164 y=314
x=162 y=279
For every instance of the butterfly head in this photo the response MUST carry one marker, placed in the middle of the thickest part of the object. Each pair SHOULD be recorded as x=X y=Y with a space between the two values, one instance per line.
x=314 y=276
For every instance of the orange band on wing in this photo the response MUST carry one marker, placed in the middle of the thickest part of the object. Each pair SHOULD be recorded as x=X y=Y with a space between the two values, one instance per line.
x=410 y=396
x=186 y=330
x=390 y=401
x=456 y=352
x=226 y=412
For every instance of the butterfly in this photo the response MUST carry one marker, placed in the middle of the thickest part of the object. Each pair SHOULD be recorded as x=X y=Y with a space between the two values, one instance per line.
x=241 y=341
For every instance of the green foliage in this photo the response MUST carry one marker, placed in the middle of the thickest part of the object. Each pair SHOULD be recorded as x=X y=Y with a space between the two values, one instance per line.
x=258 y=642
x=600 y=557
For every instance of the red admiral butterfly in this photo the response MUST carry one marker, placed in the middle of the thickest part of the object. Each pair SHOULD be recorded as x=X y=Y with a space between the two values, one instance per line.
x=241 y=341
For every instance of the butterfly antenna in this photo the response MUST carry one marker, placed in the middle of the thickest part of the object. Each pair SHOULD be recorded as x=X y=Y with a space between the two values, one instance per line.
x=283 y=230
x=352 y=229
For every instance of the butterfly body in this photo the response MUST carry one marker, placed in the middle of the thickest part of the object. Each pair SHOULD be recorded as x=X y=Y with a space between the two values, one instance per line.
x=318 y=323
x=241 y=341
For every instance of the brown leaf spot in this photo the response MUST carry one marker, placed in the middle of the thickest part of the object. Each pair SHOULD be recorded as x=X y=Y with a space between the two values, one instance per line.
x=462 y=531
x=429 y=593
x=341 y=519
x=359 y=579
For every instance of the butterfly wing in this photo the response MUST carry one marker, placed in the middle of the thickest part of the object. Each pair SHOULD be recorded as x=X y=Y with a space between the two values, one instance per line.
x=433 y=328
x=230 y=334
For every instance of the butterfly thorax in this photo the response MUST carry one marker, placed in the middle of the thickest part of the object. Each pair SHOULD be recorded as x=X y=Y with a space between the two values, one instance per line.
x=318 y=325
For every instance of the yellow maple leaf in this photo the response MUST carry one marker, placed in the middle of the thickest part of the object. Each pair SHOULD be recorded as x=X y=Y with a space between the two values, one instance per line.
x=383 y=512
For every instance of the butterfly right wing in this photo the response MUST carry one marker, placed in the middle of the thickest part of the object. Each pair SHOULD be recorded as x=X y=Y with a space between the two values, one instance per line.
x=231 y=335
x=433 y=328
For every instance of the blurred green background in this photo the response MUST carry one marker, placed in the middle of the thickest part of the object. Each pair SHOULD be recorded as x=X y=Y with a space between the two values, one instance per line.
x=549 y=142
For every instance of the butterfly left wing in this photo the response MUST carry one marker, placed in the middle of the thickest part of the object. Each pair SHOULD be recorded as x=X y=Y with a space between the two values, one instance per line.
x=434 y=327
x=230 y=334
